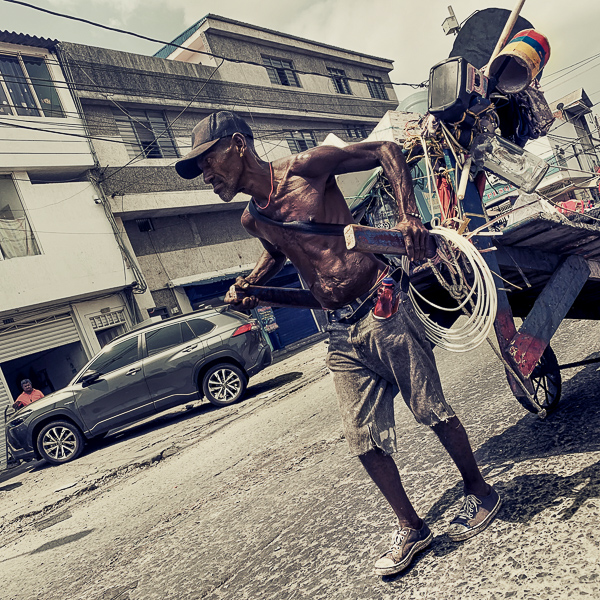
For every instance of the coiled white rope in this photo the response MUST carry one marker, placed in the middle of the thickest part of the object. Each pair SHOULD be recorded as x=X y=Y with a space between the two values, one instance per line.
x=477 y=327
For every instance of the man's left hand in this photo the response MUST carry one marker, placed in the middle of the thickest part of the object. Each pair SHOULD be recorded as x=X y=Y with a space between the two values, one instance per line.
x=415 y=237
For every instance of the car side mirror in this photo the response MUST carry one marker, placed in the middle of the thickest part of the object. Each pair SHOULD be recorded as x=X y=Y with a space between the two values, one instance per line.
x=89 y=377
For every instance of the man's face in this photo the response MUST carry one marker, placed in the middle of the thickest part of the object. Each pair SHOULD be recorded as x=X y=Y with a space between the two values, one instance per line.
x=221 y=170
x=27 y=387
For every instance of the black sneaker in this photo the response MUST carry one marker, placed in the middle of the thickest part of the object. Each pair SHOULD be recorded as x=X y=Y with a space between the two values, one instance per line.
x=476 y=513
x=406 y=542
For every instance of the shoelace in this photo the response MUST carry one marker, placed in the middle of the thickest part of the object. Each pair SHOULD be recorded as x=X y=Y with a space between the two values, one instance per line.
x=469 y=508
x=398 y=537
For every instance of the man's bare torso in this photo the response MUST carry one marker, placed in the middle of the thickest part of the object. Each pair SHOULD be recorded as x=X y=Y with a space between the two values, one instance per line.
x=334 y=275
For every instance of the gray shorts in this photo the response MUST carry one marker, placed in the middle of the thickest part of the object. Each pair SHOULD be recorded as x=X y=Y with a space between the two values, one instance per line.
x=371 y=360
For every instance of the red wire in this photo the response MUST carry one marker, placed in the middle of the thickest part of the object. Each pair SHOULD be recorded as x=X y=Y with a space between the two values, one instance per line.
x=270 y=193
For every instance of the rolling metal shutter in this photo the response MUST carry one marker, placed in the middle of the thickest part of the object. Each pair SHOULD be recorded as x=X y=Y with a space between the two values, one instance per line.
x=294 y=324
x=4 y=402
x=28 y=338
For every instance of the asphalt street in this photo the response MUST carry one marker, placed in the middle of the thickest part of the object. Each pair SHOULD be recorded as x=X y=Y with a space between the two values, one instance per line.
x=262 y=500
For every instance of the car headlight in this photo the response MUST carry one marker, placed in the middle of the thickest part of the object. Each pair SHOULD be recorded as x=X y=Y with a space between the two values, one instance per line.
x=20 y=418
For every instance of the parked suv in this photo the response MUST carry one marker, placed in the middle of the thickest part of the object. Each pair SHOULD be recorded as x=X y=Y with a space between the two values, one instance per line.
x=208 y=354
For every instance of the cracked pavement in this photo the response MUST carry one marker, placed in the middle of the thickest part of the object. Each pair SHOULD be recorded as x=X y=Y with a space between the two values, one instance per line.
x=262 y=500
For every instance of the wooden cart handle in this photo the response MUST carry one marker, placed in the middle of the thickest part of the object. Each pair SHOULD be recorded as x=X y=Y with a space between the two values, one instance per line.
x=276 y=296
x=380 y=241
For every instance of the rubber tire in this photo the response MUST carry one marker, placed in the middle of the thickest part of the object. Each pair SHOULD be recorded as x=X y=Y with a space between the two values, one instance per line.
x=547 y=382
x=74 y=436
x=236 y=377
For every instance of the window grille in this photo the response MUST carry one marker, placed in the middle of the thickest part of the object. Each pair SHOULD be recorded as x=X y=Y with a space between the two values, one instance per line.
x=281 y=71
x=340 y=80
x=376 y=87
x=146 y=133
x=106 y=320
x=145 y=225
x=357 y=132
x=26 y=87
x=298 y=141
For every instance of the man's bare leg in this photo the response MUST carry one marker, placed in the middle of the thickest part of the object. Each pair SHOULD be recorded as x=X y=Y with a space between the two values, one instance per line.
x=454 y=438
x=383 y=471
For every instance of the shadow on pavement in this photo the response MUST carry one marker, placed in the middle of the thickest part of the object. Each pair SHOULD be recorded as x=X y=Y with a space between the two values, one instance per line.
x=54 y=544
x=183 y=415
x=572 y=429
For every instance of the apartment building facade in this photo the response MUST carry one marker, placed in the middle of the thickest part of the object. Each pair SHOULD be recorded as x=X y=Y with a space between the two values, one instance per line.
x=140 y=110
x=67 y=284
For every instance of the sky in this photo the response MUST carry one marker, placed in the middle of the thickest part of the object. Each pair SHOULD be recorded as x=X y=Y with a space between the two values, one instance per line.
x=409 y=32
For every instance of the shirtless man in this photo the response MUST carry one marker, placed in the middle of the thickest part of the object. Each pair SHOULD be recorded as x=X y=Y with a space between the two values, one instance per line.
x=370 y=359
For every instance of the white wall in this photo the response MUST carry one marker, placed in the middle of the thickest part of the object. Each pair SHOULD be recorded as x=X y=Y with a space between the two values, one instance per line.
x=79 y=253
x=82 y=311
x=28 y=145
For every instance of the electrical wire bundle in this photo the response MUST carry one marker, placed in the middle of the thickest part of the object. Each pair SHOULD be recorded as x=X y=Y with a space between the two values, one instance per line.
x=480 y=296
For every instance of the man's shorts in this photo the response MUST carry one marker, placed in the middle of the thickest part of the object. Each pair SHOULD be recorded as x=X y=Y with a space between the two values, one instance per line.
x=371 y=360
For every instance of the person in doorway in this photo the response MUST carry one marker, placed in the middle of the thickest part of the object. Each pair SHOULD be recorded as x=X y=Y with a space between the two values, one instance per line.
x=29 y=395
x=370 y=359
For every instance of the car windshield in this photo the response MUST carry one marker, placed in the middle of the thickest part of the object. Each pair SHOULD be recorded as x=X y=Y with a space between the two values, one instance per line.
x=114 y=357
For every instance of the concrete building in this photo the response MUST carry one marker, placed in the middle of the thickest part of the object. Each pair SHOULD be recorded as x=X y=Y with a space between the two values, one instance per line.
x=66 y=276
x=140 y=111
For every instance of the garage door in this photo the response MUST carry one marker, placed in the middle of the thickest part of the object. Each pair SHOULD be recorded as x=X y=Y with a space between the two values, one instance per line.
x=44 y=334
x=4 y=402
x=21 y=339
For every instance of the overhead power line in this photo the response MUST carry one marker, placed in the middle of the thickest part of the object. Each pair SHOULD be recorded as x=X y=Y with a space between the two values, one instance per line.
x=173 y=45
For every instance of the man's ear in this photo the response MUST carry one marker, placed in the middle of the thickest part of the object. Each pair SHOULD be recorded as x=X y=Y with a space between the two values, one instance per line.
x=239 y=143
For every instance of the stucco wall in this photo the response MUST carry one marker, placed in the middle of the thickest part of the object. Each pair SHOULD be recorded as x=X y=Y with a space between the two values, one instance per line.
x=79 y=253
x=192 y=244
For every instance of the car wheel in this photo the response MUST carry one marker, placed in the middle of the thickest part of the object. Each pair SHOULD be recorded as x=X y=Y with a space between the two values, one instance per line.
x=224 y=384
x=60 y=442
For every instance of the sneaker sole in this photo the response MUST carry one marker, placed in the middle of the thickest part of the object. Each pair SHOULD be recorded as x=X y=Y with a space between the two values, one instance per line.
x=469 y=533
x=403 y=564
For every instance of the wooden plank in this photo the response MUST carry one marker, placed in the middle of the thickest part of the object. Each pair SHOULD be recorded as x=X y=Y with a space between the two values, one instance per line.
x=551 y=232
x=275 y=296
x=527 y=259
x=550 y=308
x=380 y=241
x=546 y=239
x=515 y=234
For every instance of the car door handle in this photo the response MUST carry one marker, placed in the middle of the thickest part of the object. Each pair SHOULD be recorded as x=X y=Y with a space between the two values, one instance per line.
x=190 y=348
x=133 y=371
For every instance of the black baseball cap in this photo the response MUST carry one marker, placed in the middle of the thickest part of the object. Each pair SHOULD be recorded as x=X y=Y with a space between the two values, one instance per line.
x=206 y=134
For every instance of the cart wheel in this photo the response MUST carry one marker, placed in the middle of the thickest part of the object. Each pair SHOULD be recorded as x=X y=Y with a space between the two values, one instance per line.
x=547 y=384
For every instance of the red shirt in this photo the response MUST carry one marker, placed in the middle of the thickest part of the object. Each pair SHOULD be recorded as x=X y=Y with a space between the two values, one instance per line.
x=26 y=399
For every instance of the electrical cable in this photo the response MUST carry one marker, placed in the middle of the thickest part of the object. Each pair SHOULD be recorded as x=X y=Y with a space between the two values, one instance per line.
x=480 y=321
x=174 y=45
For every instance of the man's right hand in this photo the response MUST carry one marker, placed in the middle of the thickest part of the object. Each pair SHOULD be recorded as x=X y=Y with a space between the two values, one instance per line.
x=236 y=297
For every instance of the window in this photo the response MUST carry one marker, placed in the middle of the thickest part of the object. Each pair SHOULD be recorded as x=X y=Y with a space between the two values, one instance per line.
x=145 y=225
x=16 y=236
x=147 y=133
x=340 y=81
x=200 y=326
x=376 y=87
x=281 y=71
x=358 y=132
x=108 y=325
x=161 y=339
x=120 y=355
x=298 y=141
x=187 y=333
x=26 y=88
